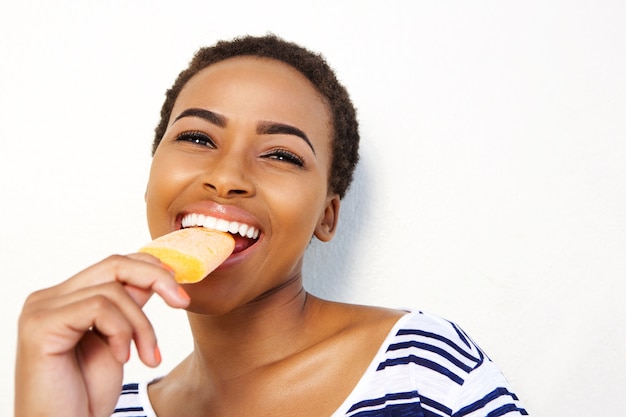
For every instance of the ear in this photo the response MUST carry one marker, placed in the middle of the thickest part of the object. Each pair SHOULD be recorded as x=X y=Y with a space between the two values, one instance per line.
x=327 y=223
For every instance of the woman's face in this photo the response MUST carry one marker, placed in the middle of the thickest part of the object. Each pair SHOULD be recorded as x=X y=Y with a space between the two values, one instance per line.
x=247 y=148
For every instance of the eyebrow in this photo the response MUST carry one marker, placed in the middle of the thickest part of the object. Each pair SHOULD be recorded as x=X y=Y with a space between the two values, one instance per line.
x=207 y=115
x=263 y=128
x=274 y=128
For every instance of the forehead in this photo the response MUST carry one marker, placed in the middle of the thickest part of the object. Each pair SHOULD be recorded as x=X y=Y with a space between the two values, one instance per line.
x=256 y=88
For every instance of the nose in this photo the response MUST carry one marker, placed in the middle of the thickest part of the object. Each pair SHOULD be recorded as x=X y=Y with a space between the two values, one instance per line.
x=228 y=178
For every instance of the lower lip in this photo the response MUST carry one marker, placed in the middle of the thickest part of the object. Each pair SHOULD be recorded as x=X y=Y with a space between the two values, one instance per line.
x=239 y=256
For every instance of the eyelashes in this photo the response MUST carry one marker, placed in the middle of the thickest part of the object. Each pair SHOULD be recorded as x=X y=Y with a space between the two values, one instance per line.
x=286 y=156
x=200 y=138
x=196 y=137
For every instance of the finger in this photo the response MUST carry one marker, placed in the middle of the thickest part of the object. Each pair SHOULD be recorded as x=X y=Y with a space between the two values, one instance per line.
x=141 y=296
x=109 y=300
x=57 y=331
x=143 y=273
x=141 y=331
x=109 y=325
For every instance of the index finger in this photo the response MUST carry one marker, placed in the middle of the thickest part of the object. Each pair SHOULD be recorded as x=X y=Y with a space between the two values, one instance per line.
x=142 y=275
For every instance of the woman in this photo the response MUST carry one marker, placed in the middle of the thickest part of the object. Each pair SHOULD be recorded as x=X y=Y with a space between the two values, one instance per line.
x=258 y=134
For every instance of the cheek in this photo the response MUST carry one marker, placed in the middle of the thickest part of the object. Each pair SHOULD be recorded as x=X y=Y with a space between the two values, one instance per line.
x=154 y=200
x=164 y=183
x=297 y=205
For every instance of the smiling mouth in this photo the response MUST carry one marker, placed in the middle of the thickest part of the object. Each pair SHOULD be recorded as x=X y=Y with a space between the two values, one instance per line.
x=245 y=235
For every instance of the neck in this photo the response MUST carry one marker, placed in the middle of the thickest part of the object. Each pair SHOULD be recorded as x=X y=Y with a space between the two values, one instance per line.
x=256 y=335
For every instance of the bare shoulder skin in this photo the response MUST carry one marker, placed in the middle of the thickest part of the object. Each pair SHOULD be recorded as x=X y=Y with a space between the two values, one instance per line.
x=307 y=371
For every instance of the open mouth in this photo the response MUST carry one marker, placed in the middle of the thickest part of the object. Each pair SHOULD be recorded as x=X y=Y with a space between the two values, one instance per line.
x=245 y=235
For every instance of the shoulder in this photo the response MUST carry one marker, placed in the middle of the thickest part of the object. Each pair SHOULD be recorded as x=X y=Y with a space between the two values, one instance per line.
x=419 y=328
x=451 y=372
x=440 y=349
x=334 y=320
x=407 y=328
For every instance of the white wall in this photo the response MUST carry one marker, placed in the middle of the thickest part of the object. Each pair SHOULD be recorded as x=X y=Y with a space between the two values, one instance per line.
x=491 y=190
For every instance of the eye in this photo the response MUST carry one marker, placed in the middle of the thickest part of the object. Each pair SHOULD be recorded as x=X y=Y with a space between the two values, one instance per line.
x=286 y=156
x=196 y=137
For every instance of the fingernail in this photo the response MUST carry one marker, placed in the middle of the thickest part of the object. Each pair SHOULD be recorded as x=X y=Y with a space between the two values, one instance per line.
x=157 y=354
x=168 y=268
x=183 y=294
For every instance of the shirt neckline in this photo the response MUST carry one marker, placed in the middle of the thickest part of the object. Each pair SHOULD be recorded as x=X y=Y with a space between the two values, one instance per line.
x=360 y=386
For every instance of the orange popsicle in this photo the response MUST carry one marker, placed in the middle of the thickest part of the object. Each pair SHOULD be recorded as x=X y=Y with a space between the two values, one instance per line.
x=192 y=253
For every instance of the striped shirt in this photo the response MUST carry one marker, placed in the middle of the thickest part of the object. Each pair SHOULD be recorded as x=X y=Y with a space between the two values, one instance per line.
x=426 y=367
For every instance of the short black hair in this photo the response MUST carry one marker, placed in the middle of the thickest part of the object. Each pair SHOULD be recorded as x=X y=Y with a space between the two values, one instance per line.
x=345 y=141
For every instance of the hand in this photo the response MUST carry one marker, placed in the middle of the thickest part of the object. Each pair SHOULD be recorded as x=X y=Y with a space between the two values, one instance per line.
x=74 y=338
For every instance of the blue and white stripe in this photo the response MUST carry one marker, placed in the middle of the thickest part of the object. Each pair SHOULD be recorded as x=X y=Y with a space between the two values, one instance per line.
x=131 y=402
x=431 y=368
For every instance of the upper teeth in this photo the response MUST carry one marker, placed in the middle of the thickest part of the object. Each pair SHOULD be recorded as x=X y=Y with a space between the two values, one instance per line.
x=221 y=225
